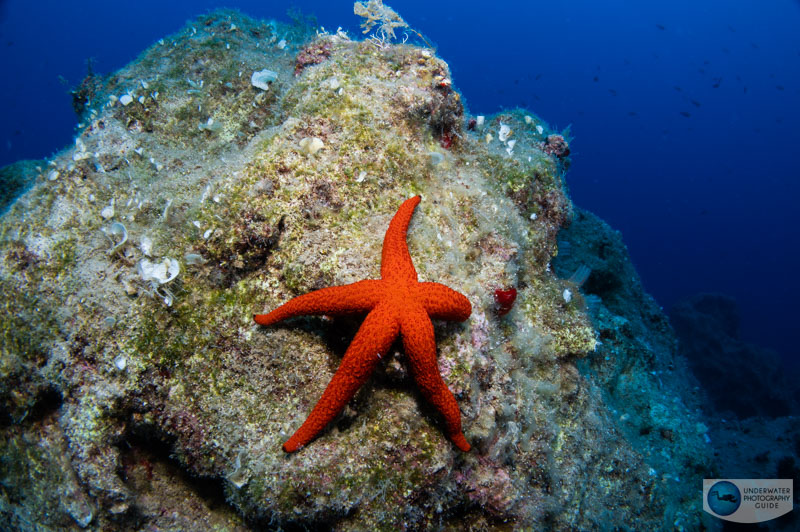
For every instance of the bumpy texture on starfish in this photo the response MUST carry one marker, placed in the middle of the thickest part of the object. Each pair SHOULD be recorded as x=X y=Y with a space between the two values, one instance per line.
x=396 y=304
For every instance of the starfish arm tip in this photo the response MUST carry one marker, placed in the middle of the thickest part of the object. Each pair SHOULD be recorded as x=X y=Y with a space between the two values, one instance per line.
x=291 y=447
x=461 y=442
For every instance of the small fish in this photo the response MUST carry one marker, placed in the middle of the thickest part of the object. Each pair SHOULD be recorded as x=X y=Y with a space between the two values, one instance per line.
x=717 y=82
x=633 y=113
x=677 y=88
x=661 y=27
x=596 y=79
x=538 y=76
x=779 y=87
x=687 y=114
x=695 y=103
x=613 y=92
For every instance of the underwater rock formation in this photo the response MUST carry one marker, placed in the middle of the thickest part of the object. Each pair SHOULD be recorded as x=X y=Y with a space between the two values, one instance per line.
x=708 y=328
x=15 y=178
x=137 y=391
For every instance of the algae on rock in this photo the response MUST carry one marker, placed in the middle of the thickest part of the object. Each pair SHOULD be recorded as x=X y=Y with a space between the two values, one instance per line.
x=211 y=170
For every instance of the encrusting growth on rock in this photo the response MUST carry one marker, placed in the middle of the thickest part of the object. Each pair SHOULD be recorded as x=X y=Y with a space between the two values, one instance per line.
x=396 y=304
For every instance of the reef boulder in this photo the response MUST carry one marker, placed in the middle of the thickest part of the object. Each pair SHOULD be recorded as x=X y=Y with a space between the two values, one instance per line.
x=136 y=389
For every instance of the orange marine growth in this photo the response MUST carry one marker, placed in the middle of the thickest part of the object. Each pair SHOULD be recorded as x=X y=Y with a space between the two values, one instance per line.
x=395 y=304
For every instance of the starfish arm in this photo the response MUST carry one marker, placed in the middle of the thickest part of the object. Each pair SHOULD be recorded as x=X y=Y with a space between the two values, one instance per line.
x=335 y=300
x=420 y=346
x=370 y=343
x=395 y=258
x=442 y=302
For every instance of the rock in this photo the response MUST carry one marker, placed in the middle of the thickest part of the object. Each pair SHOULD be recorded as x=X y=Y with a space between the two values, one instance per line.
x=189 y=435
x=741 y=379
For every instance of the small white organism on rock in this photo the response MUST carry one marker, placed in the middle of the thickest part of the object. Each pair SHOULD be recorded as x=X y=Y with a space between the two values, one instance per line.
x=504 y=133
x=159 y=274
x=263 y=78
x=311 y=145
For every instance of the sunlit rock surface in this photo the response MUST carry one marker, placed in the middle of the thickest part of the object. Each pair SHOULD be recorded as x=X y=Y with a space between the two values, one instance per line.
x=134 y=397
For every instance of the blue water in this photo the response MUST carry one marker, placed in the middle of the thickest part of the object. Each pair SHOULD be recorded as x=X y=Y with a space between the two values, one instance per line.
x=706 y=202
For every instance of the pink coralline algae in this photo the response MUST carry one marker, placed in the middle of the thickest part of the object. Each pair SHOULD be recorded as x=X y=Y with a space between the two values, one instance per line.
x=556 y=145
x=313 y=54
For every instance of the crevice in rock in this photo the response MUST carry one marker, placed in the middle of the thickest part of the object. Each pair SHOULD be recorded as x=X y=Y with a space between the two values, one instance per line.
x=48 y=401
x=149 y=466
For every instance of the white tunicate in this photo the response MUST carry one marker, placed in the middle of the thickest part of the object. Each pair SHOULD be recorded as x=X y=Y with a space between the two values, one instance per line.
x=510 y=146
x=436 y=158
x=146 y=244
x=311 y=145
x=567 y=294
x=120 y=362
x=167 y=297
x=333 y=83
x=161 y=272
x=193 y=259
x=504 y=133
x=125 y=99
x=118 y=232
x=108 y=211
x=210 y=125
x=261 y=79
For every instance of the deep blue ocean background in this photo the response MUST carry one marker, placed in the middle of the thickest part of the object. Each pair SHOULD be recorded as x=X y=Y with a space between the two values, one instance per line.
x=685 y=115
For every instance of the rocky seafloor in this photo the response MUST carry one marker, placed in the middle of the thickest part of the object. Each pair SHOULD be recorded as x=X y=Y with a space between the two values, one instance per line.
x=137 y=393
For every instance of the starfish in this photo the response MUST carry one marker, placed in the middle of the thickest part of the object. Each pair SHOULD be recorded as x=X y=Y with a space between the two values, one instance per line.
x=396 y=304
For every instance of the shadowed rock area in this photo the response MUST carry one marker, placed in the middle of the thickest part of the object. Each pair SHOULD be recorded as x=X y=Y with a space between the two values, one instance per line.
x=740 y=378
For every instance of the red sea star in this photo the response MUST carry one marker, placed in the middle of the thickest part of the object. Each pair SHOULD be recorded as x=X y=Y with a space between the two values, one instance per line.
x=396 y=304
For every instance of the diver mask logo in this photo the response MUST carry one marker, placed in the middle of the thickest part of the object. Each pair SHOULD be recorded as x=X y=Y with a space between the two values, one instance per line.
x=747 y=500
